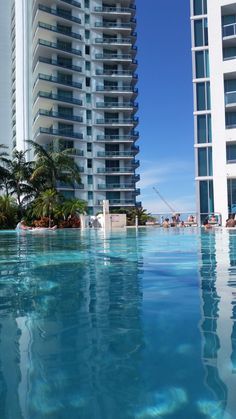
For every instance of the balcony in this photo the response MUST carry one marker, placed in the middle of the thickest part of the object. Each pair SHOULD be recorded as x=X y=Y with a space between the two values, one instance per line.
x=59 y=13
x=115 y=73
x=112 y=170
x=115 y=57
x=58 y=80
x=117 y=138
x=59 y=46
x=60 y=133
x=114 y=25
x=117 y=105
x=114 y=10
x=119 y=202
x=125 y=121
x=72 y=3
x=115 y=41
x=123 y=88
x=116 y=186
x=52 y=28
x=59 y=98
x=119 y=154
x=57 y=63
x=58 y=115
x=74 y=185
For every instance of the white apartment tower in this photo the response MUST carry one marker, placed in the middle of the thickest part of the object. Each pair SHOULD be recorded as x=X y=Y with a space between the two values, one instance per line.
x=74 y=86
x=214 y=79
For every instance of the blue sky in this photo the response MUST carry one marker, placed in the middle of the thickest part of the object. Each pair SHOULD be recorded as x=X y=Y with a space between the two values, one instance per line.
x=165 y=104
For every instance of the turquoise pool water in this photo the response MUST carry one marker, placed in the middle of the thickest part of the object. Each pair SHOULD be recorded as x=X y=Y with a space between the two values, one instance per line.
x=132 y=325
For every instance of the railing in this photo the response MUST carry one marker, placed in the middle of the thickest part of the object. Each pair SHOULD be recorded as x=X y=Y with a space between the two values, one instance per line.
x=55 y=29
x=112 y=25
x=117 y=186
x=61 y=133
x=60 y=98
x=113 y=57
x=119 y=202
x=59 y=115
x=117 y=137
x=117 y=105
x=230 y=98
x=115 y=170
x=59 y=46
x=113 y=40
x=116 y=89
x=59 y=13
x=115 y=154
x=117 y=121
x=113 y=9
x=116 y=73
x=74 y=185
x=59 y=80
x=72 y=3
x=229 y=30
x=60 y=64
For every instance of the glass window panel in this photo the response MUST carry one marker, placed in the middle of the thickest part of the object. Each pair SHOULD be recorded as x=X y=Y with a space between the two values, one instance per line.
x=230 y=119
x=203 y=190
x=231 y=152
x=201 y=100
x=198 y=33
x=228 y=20
x=209 y=128
x=210 y=170
x=205 y=7
x=232 y=195
x=90 y=179
x=207 y=66
x=202 y=162
x=201 y=129
x=211 y=197
x=205 y=32
x=229 y=53
x=197 y=7
x=208 y=95
x=200 y=68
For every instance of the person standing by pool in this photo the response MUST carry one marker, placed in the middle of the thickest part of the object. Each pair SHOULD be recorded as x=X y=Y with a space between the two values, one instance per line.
x=166 y=223
x=22 y=226
x=231 y=221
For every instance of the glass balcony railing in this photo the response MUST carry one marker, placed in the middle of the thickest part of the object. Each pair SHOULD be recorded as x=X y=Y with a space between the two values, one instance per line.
x=117 y=105
x=115 y=170
x=111 y=121
x=61 y=64
x=115 y=154
x=122 y=138
x=230 y=98
x=60 y=31
x=116 y=73
x=60 y=133
x=229 y=30
x=59 y=13
x=74 y=185
x=59 y=46
x=114 y=57
x=59 y=97
x=119 y=202
x=100 y=9
x=113 y=40
x=112 y=25
x=58 y=115
x=72 y=3
x=123 y=88
x=116 y=186
x=59 y=80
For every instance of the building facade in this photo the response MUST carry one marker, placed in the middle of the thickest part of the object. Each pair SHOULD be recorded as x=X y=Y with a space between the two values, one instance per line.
x=214 y=79
x=74 y=86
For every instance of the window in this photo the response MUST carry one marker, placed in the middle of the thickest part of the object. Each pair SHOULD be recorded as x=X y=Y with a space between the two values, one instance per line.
x=203 y=96
x=204 y=133
x=89 y=131
x=87 y=34
x=230 y=91
x=205 y=161
x=206 y=197
x=231 y=153
x=232 y=195
x=87 y=65
x=86 y=4
x=229 y=53
x=202 y=64
x=89 y=147
x=86 y=19
x=87 y=81
x=201 y=32
x=199 y=7
x=87 y=49
x=90 y=180
x=89 y=164
x=88 y=114
x=88 y=98
x=230 y=120
x=90 y=195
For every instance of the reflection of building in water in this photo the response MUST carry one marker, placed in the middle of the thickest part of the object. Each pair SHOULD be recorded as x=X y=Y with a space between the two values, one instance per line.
x=218 y=310
x=82 y=349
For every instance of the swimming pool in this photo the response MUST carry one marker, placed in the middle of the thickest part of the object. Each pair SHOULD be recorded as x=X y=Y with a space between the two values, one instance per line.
x=132 y=325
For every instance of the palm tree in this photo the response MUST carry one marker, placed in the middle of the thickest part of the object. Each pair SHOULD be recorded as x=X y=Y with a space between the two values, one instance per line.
x=73 y=207
x=8 y=212
x=19 y=174
x=54 y=166
x=4 y=173
x=45 y=204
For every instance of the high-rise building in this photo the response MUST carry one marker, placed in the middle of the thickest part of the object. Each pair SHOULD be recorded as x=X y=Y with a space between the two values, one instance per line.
x=214 y=80
x=74 y=86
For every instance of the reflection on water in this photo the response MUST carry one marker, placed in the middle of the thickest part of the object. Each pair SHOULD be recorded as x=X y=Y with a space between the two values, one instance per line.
x=133 y=325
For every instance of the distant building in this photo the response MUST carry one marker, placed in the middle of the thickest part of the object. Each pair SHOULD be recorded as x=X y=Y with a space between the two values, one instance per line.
x=214 y=80
x=74 y=86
